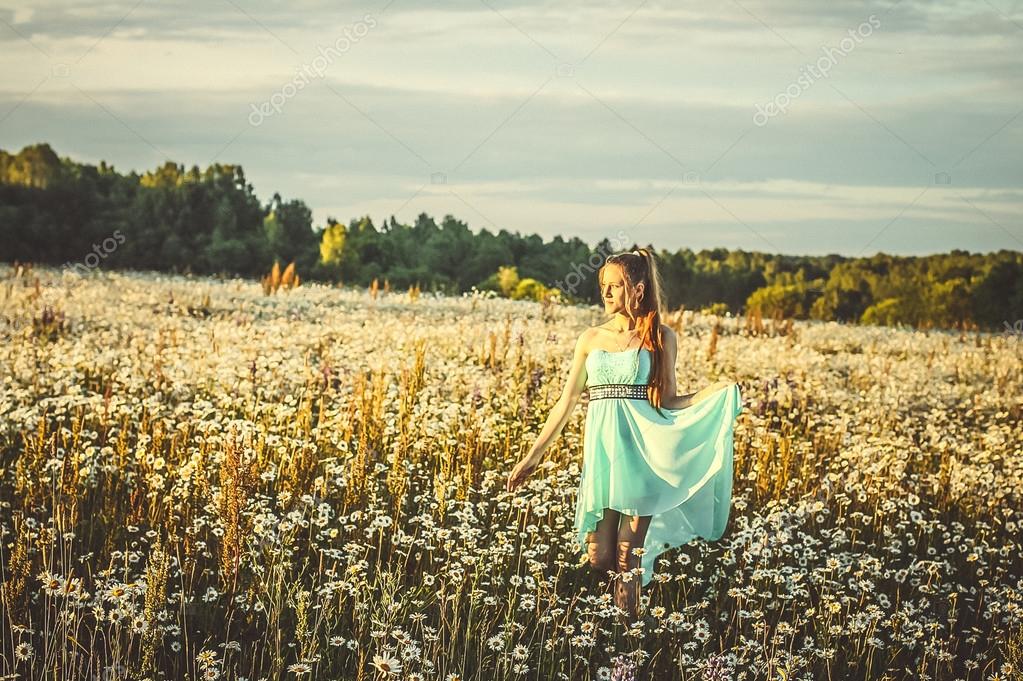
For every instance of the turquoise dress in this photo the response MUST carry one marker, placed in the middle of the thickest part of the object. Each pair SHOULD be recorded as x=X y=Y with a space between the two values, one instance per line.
x=676 y=468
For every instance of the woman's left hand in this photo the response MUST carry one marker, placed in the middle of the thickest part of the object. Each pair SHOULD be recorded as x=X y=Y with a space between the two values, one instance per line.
x=522 y=471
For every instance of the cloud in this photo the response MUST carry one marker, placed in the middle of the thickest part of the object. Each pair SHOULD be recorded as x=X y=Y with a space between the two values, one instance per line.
x=475 y=92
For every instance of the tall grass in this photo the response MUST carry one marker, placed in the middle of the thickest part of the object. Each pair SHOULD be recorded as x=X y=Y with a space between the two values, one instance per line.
x=312 y=486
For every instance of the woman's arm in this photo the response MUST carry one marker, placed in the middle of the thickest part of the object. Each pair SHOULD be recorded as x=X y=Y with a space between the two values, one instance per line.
x=689 y=399
x=670 y=399
x=559 y=414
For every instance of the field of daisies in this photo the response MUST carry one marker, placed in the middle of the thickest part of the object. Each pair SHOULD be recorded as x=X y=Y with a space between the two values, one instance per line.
x=201 y=481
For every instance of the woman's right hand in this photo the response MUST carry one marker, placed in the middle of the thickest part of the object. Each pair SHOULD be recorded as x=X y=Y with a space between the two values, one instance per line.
x=522 y=471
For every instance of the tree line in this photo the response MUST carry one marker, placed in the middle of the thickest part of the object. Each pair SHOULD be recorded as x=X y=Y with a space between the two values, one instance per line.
x=56 y=211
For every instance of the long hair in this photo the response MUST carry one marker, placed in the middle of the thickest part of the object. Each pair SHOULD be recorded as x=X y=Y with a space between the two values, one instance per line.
x=639 y=266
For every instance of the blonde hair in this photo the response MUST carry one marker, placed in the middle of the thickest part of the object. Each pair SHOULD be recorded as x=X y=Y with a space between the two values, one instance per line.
x=640 y=267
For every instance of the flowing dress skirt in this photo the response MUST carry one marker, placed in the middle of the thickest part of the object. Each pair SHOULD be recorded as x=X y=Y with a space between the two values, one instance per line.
x=676 y=468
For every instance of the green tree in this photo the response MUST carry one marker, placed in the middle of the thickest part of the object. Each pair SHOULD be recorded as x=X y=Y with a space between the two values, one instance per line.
x=529 y=289
x=507 y=280
x=332 y=247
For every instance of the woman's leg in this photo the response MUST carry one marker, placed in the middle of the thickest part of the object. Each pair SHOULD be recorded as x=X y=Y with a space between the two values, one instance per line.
x=631 y=535
x=601 y=543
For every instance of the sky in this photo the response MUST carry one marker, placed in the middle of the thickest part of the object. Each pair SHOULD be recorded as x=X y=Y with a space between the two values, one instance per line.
x=795 y=126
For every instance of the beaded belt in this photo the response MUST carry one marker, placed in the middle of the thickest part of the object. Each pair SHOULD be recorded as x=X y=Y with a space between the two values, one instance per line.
x=634 y=391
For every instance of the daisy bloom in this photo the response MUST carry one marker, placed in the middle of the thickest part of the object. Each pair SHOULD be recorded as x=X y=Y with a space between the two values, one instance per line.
x=387 y=664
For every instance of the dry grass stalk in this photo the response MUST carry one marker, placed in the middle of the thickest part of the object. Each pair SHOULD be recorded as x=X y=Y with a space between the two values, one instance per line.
x=714 y=332
x=157 y=572
x=277 y=280
x=411 y=383
x=13 y=597
x=754 y=321
x=236 y=482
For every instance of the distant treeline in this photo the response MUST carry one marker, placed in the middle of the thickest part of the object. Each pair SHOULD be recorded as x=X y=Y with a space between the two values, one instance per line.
x=58 y=212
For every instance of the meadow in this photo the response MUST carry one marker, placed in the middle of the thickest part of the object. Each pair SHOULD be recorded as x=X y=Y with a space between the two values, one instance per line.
x=202 y=481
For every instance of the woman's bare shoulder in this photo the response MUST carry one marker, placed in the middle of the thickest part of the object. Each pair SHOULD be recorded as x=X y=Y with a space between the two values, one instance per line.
x=589 y=339
x=585 y=340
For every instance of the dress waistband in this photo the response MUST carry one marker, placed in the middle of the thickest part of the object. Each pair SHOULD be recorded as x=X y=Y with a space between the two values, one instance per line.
x=634 y=391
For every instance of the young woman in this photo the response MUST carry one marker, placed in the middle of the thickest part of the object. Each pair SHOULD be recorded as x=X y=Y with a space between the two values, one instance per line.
x=657 y=466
